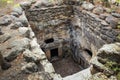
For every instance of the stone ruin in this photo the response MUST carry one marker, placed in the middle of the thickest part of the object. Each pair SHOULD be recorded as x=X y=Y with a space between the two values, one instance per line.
x=47 y=35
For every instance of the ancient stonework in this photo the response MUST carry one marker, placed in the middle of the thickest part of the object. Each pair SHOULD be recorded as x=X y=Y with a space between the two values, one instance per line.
x=39 y=33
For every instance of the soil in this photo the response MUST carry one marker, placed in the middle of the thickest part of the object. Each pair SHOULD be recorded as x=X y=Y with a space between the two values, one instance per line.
x=66 y=66
x=7 y=8
x=14 y=73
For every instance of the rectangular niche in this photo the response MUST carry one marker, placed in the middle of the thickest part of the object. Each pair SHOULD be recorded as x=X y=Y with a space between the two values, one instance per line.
x=54 y=52
x=49 y=40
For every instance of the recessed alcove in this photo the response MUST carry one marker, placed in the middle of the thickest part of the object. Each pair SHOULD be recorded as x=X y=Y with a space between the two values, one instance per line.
x=89 y=52
x=50 y=40
x=54 y=52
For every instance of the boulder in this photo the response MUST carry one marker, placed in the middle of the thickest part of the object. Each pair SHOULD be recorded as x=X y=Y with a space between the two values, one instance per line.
x=18 y=10
x=16 y=25
x=40 y=76
x=20 y=43
x=31 y=57
x=17 y=47
x=107 y=60
x=25 y=5
x=34 y=44
x=98 y=10
x=88 y=6
x=48 y=67
x=14 y=14
x=5 y=20
x=13 y=53
x=29 y=68
x=112 y=21
x=23 y=20
x=117 y=15
x=4 y=37
x=24 y=31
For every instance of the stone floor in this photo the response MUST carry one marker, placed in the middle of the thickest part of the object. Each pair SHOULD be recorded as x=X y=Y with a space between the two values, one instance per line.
x=66 y=66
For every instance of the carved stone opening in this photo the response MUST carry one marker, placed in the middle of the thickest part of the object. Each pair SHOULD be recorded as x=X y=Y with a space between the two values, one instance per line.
x=54 y=52
x=49 y=40
x=89 y=52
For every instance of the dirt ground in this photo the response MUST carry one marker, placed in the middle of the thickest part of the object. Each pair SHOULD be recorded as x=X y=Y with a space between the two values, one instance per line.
x=66 y=66
x=6 y=8
x=14 y=73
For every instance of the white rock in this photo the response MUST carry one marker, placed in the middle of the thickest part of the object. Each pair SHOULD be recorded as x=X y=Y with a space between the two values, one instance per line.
x=49 y=68
x=34 y=44
x=23 y=30
x=88 y=6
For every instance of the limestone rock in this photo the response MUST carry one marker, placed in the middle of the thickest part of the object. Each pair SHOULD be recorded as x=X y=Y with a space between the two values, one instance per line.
x=16 y=25
x=17 y=47
x=18 y=10
x=87 y=6
x=34 y=43
x=103 y=16
x=20 y=43
x=107 y=58
x=31 y=57
x=39 y=52
x=25 y=5
x=13 y=53
x=47 y=66
x=98 y=76
x=4 y=37
x=40 y=76
x=23 y=20
x=104 y=23
x=24 y=31
x=112 y=21
x=29 y=68
x=98 y=10
x=5 y=20
x=111 y=51
x=117 y=15
x=43 y=3
x=32 y=35
x=15 y=14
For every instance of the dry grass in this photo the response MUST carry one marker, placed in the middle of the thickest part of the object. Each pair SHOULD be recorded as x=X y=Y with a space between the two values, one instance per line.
x=5 y=8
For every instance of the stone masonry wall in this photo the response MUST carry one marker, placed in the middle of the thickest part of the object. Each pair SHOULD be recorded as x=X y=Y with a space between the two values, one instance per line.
x=92 y=29
x=49 y=22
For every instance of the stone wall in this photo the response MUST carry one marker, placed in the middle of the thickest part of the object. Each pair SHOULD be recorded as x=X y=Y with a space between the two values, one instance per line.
x=93 y=31
x=49 y=22
x=91 y=28
x=88 y=29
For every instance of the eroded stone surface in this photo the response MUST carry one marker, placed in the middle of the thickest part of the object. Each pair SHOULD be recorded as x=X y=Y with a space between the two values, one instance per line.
x=81 y=31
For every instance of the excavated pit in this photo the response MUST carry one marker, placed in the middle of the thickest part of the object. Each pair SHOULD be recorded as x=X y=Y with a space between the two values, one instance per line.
x=60 y=54
x=55 y=34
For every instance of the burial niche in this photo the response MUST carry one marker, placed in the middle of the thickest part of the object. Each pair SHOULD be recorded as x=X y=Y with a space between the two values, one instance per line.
x=50 y=40
x=54 y=52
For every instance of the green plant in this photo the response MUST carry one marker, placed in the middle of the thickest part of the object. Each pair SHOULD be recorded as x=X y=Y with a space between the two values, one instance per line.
x=118 y=76
x=118 y=27
x=113 y=66
x=118 y=37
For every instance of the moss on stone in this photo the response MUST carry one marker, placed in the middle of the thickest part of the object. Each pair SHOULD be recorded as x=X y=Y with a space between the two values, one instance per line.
x=118 y=27
x=113 y=66
x=118 y=76
x=118 y=37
